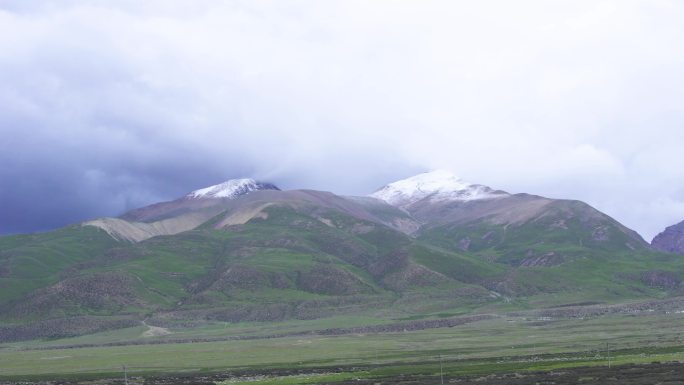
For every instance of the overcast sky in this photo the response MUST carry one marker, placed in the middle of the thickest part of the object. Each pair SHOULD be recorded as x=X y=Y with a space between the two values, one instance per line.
x=110 y=105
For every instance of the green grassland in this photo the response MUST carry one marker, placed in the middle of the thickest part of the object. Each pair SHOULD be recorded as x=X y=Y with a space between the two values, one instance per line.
x=501 y=344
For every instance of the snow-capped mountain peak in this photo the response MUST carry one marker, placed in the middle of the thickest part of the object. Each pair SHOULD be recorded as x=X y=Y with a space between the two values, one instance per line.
x=231 y=189
x=439 y=185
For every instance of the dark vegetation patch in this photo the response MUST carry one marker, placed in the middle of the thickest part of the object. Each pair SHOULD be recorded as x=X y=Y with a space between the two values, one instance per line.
x=331 y=280
x=63 y=328
x=668 y=373
x=106 y=291
x=408 y=326
x=654 y=373
x=241 y=277
x=266 y=312
x=413 y=275
x=586 y=303
x=660 y=279
x=585 y=311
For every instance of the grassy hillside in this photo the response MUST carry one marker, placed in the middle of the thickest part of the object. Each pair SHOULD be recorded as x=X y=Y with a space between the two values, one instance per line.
x=309 y=255
x=32 y=261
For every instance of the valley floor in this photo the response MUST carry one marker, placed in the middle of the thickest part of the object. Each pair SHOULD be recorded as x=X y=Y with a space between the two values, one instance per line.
x=642 y=343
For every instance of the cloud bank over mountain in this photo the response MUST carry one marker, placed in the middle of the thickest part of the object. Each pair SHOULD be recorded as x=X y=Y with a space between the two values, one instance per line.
x=107 y=107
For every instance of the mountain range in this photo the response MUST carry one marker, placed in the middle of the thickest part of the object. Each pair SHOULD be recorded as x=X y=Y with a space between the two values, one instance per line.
x=244 y=250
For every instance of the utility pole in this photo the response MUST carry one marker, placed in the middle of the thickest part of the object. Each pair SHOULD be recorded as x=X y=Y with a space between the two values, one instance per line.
x=125 y=374
x=608 y=349
x=441 y=370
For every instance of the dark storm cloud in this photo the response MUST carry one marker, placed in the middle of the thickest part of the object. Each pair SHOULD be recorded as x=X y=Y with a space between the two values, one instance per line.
x=105 y=106
x=49 y=182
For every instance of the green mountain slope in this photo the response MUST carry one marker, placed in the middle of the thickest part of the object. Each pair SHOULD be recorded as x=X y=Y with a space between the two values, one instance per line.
x=276 y=255
x=31 y=261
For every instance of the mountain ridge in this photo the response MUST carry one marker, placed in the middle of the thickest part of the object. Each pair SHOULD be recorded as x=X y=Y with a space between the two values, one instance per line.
x=265 y=254
x=671 y=239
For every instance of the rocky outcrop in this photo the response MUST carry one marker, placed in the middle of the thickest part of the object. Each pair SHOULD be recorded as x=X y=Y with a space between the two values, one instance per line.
x=671 y=240
x=123 y=230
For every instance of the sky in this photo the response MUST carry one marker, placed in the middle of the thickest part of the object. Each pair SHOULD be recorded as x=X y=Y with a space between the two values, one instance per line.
x=111 y=105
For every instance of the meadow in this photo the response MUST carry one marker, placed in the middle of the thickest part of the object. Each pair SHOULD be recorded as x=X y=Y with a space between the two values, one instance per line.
x=286 y=353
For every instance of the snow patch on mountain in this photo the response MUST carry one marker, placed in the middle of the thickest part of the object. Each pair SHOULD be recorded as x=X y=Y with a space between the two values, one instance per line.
x=439 y=185
x=231 y=189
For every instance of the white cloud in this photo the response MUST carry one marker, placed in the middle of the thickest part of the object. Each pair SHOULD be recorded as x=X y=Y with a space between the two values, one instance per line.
x=576 y=99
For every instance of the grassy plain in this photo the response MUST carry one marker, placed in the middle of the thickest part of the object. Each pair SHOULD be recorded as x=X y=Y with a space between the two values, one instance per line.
x=521 y=342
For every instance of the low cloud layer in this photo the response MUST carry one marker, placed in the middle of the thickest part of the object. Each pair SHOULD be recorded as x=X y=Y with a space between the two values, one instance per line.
x=107 y=106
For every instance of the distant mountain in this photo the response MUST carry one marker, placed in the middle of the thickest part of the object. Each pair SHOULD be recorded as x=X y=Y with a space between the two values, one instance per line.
x=464 y=216
x=244 y=250
x=671 y=240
